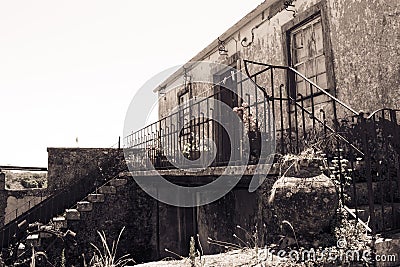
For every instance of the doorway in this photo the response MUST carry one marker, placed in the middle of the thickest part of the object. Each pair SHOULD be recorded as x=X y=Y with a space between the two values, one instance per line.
x=225 y=92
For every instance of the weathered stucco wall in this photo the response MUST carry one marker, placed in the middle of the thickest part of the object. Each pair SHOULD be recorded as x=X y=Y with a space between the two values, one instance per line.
x=266 y=47
x=250 y=211
x=366 y=44
x=362 y=49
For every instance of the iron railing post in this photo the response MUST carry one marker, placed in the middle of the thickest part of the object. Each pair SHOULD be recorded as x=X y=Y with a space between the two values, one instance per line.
x=365 y=130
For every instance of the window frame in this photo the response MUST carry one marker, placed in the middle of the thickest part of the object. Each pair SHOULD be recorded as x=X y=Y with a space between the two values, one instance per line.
x=317 y=10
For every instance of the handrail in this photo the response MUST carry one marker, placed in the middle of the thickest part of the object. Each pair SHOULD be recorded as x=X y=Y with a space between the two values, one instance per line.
x=325 y=92
x=10 y=214
x=306 y=79
x=365 y=225
x=380 y=110
x=164 y=138
x=341 y=137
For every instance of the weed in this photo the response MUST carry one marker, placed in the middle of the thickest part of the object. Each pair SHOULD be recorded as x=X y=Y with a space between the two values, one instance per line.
x=107 y=257
x=292 y=228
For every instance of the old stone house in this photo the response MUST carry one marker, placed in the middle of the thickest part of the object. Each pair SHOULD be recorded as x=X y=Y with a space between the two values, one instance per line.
x=295 y=69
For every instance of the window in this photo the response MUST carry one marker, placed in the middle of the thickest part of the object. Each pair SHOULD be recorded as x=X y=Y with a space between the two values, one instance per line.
x=307 y=55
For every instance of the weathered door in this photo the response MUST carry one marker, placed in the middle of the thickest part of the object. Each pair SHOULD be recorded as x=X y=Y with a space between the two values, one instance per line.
x=224 y=80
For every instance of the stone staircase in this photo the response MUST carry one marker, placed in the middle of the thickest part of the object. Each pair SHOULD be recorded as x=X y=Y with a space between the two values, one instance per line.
x=42 y=236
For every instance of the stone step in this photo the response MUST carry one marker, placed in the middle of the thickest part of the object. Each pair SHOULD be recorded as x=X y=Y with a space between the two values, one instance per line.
x=72 y=214
x=96 y=198
x=33 y=240
x=118 y=182
x=84 y=206
x=386 y=220
x=44 y=234
x=60 y=222
x=107 y=189
x=45 y=231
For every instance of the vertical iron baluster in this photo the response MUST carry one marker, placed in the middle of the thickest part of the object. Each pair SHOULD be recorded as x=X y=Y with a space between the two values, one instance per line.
x=355 y=202
x=174 y=147
x=312 y=106
x=289 y=117
x=303 y=115
x=367 y=157
x=281 y=115
x=380 y=181
x=324 y=121
x=273 y=101
x=296 y=125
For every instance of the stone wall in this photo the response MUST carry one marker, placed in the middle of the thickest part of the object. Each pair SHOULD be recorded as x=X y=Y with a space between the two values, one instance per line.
x=130 y=208
x=67 y=166
x=151 y=227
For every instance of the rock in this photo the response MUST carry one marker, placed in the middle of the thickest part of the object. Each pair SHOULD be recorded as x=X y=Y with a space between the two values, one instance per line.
x=309 y=204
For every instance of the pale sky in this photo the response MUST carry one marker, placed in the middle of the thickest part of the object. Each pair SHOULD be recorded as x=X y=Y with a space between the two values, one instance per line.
x=70 y=68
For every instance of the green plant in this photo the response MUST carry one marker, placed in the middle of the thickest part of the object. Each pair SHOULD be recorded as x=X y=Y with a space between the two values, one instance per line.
x=107 y=257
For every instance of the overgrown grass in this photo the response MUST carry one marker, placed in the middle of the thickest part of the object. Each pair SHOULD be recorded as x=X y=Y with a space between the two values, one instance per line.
x=106 y=257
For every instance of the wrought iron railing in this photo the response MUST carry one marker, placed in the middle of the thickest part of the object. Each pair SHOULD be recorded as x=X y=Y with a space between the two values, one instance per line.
x=299 y=121
x=187 y=136
x=362 y=151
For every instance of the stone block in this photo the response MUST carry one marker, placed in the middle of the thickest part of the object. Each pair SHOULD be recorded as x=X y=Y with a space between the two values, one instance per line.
x=84 y=206
x=107 y=190
x=45 y=234
x=60 y=222
x=33 y=240
x=72 y=214
x=96 y=198
x=118 y=182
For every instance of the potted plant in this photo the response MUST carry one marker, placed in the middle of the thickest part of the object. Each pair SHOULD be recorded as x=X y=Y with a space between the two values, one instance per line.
x=250 y=127
x=191 y=150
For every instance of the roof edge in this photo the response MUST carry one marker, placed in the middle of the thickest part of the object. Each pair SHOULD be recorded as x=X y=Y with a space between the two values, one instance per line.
x=226 y=35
